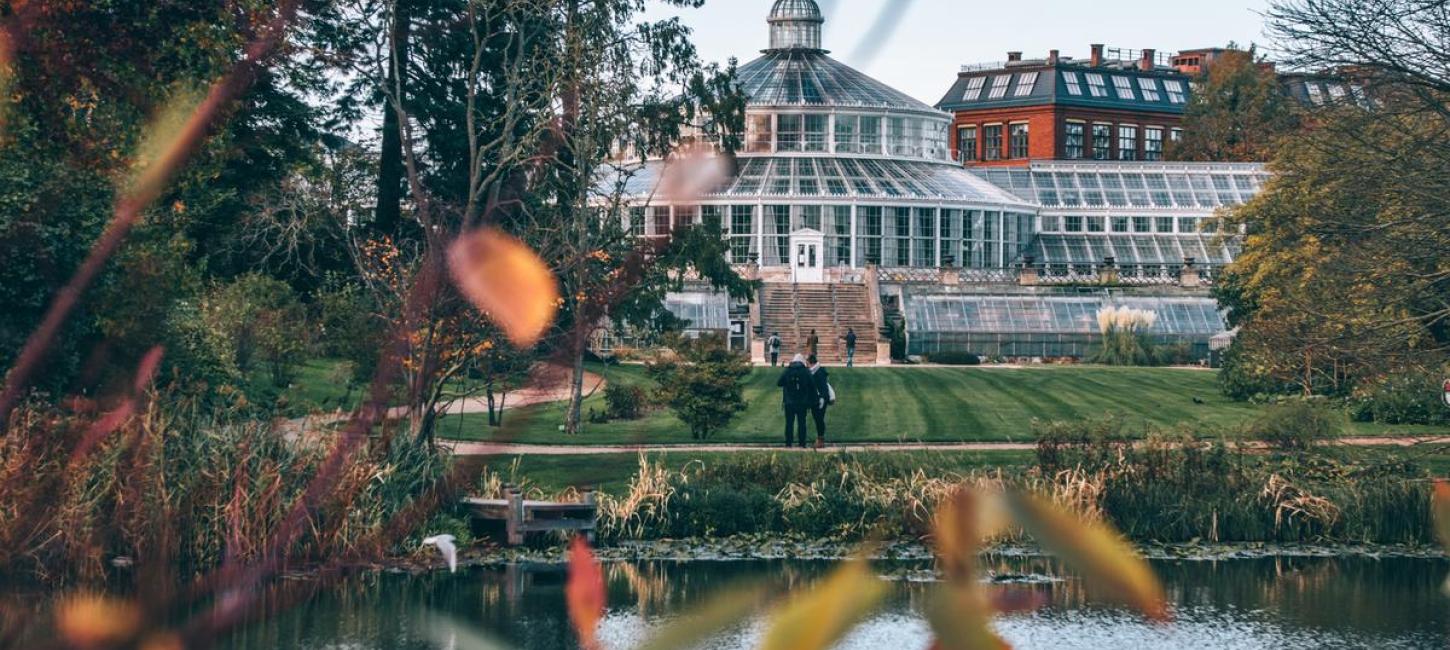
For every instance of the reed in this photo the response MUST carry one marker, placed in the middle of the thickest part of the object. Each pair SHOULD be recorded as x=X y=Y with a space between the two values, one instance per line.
x=169 y=487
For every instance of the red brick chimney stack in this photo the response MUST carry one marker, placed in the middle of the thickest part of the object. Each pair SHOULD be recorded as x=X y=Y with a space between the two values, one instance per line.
x=1097 y=59
x=1052 y=56
x=1148 y=62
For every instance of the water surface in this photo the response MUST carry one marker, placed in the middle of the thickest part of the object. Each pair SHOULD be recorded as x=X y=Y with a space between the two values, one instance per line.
x=1289 y=602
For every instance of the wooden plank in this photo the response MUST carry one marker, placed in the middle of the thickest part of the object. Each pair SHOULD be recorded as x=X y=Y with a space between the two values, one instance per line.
x=541 y=525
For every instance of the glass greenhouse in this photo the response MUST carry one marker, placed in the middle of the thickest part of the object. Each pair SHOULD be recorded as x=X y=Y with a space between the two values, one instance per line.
x=838 y=170
x=1046 y=325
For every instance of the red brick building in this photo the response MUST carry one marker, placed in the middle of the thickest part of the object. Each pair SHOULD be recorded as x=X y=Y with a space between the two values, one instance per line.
x=1110 y=107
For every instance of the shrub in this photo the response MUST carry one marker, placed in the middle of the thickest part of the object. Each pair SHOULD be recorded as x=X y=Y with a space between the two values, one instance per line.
x=1408 y=397
x=624 y=401
x=1080 y=443
x=1295 y=424
x=954 y=358
x=708 y=390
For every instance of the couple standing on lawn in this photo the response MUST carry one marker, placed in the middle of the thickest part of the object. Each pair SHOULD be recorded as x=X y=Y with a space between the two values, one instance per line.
x=805 y=386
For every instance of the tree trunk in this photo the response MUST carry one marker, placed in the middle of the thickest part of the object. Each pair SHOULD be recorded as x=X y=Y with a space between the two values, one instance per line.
x=388 y=216
x=576 y=393
x=492 y=414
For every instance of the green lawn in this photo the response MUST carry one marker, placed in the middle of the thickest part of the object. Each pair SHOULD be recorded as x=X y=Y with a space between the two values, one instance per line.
x=319 y=385
x=916 y=404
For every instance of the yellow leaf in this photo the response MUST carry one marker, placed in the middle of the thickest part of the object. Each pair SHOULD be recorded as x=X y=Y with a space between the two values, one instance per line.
x=817 y=619
x=1108 y=564
x=507 y=281
x=961 y=617
x=721 y=612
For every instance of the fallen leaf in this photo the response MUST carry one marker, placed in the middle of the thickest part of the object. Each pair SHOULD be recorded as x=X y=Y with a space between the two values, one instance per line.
x=1107 y=563
x=505 y=279
x=90 y=620
x=584 y=593
x=817 y=619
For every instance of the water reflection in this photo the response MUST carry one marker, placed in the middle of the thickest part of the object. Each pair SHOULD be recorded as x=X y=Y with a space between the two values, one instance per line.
x=1267 y=602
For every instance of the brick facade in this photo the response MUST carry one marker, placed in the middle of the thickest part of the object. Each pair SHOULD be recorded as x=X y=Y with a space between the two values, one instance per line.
x=1047 y=131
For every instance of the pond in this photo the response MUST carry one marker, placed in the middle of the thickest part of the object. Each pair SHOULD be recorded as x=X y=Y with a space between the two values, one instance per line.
x=1277 y=602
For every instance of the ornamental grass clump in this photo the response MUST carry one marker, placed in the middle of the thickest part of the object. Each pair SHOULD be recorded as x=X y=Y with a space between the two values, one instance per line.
x=1125 y=337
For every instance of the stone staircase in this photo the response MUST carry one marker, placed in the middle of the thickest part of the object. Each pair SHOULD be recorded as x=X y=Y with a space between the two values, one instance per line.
x=794 y=310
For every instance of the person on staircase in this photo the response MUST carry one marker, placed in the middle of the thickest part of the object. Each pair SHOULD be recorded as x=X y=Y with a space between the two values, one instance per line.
x=813 y=342
x=772 y=345
x=825 y=397
x=798 y=395
x=850 y=347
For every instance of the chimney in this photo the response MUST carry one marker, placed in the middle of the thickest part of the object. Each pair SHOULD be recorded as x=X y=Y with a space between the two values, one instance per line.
x=1148 y=62
x=1052 y=56
x=1097 y=59
x=1014 y=56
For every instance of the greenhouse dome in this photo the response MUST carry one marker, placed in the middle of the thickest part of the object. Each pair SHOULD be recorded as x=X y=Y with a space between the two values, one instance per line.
x=839 y=171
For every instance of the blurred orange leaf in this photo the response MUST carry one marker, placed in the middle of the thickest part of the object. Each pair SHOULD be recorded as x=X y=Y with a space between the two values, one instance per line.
x=508 y=281
x=166 y=143
x=817 y=619
x=1440 y=508
x=1107 y=562
x=584 y=593
x=91 y=620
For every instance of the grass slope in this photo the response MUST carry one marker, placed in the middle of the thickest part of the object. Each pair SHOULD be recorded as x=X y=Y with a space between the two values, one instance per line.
x=913 y=404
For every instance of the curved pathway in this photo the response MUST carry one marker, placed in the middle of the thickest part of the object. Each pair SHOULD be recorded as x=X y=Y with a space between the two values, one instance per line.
x=460 y=448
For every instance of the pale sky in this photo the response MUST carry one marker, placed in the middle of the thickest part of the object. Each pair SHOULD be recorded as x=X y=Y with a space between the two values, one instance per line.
x=933 y=38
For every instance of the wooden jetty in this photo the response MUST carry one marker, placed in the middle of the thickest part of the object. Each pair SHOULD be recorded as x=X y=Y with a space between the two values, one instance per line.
x=523 y=516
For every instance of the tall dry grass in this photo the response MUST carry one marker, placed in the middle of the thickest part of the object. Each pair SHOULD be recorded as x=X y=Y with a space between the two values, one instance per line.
x=173 y=487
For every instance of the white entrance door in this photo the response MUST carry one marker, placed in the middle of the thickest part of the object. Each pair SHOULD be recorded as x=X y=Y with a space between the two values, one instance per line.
x=808 y=249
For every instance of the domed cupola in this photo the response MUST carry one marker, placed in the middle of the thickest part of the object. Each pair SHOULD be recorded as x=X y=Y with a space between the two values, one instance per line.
x=795 y=25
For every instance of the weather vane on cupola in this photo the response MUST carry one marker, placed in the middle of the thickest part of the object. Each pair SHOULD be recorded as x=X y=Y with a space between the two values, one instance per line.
x=795 y=25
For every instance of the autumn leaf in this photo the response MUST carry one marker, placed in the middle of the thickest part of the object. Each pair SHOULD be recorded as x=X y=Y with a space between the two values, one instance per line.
x=961 y=617
x=584 y=593
x=89 y=621
x=721 y=612
x=817 y=619
x=1106 y=562
x=1440 y=507
x=507 y=281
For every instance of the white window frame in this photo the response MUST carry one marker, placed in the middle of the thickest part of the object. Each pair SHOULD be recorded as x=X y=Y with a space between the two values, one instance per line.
x=1123 y=87
x=1000 y=83
x=974 y=88
x=1175 y=91
x=1097 y=86
x=1074 y=86
x=1025 y=83
x=1148 y=87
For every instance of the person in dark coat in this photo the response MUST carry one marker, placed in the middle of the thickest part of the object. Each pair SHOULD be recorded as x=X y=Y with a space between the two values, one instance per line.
x=772 y=345
x=798 y=395
x=850 y=347
x=821 y=380
x=813 y=342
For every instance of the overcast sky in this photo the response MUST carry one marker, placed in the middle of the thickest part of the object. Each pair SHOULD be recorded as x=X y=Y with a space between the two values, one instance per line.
x=933 y=38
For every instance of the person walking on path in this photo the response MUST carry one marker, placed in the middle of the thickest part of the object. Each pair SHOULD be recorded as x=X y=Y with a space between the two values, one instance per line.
x=850 y=347
x=798 y=395
x=812 y=342
x=825 y=397
x=772 y=345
